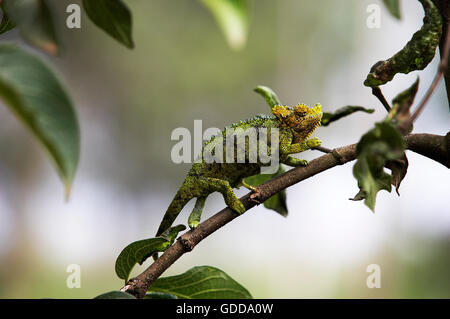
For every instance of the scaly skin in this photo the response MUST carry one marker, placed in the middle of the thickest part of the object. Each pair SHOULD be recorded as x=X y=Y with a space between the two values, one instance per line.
x=295 y=127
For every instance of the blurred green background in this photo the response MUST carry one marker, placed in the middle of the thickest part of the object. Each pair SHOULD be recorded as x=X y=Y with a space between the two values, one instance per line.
x=182 y=70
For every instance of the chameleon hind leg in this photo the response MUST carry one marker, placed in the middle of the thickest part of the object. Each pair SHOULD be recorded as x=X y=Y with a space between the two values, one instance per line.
x=196 y=214
x=223 y=187
x=248 y=186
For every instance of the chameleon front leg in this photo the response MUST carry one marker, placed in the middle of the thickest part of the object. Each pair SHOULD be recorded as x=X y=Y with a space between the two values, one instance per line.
x=294 y=162
x=223 y=187
x=196 y=214
x=298 y=148
x=301 y=147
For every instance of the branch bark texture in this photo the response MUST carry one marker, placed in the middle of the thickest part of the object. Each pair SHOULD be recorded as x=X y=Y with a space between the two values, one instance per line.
x=435 y=147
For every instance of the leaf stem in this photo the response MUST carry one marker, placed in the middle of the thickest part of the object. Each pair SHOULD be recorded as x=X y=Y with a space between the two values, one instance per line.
x=440 y=73
x=377 y=92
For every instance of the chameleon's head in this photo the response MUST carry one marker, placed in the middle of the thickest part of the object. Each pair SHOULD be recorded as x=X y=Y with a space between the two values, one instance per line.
x=301 y=119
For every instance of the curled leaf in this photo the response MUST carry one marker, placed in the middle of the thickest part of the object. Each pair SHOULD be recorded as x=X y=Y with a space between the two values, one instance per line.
x=406 y=98
x=372 y=181
x=268 y=94
x=380 y=145
x=400 y=112
x=399 y=168
x=327 y=118
x=416 y=54
x=138 y=251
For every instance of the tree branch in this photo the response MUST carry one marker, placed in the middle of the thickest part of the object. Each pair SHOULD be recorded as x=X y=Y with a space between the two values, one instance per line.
x=444 y=9
x=442 y=70
x=435 y=147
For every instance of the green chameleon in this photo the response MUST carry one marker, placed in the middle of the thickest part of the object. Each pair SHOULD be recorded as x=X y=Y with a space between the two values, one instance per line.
x=295 y=125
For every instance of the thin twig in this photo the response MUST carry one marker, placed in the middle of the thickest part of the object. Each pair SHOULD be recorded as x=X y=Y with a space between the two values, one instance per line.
x=322 y=149
x=444 y=9
x=138 y=286
x=377 y=92
x=440 y=73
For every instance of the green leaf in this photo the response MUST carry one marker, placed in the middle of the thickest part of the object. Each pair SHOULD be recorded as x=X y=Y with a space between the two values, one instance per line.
x=115 y=295
x=113 y=17
x=399 y=168
x=138 y=251
x=159 y=295
x=391 y=141
x=202 y=282
x=268 y=94
x=278 y=201
x=172 y=233
x=35 y=22
x=327 y=118
x=401 y=110
x=371 y=179
x=35 y=95
x=416 y=54
x=406 y=98
x=394 y=7
x=232 y=18
x=6 y=24
x=378 y=146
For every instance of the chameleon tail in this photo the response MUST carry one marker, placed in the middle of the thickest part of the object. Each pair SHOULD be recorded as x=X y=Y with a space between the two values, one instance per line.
x=179 y=201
